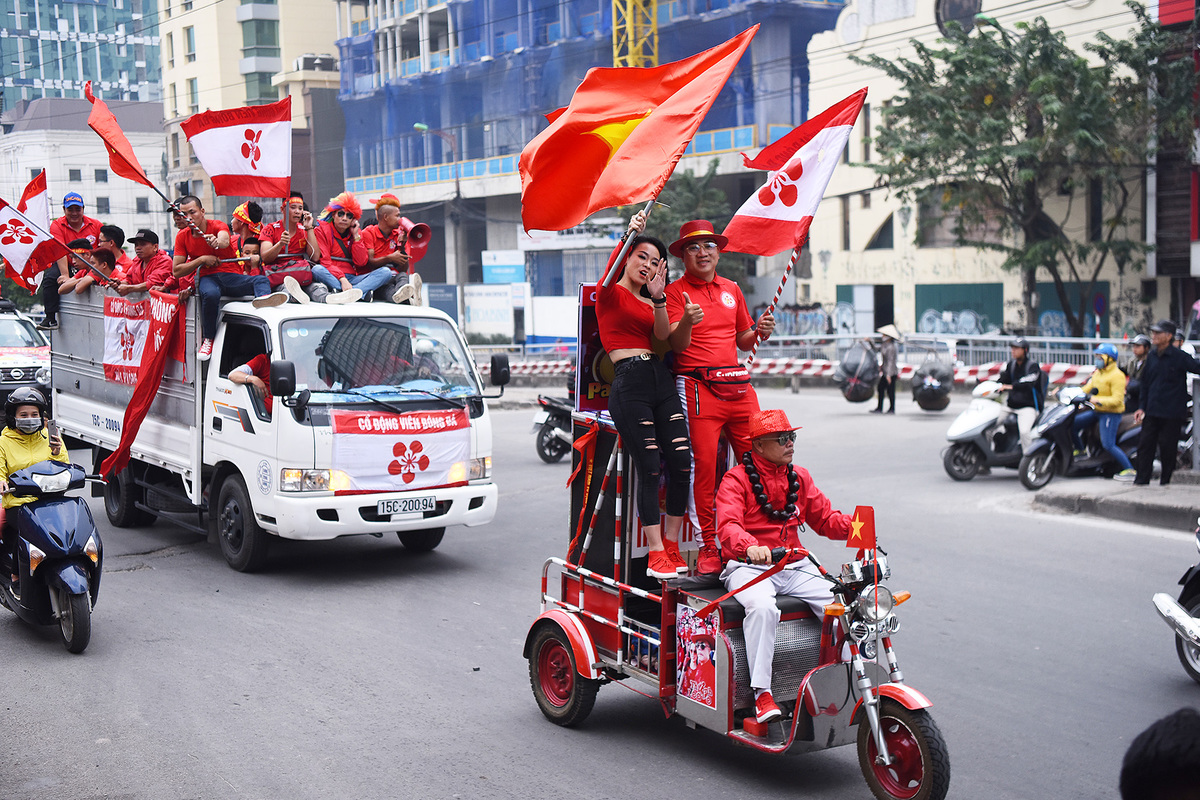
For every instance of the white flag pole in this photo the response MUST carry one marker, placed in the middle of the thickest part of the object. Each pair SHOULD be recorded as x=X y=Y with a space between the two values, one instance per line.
x=774 y=301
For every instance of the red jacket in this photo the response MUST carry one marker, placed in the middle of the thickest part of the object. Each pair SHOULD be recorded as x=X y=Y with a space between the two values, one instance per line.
x=336 y=246
x=741 y=522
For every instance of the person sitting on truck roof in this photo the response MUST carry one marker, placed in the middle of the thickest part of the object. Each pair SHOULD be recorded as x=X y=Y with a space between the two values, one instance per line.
x=23 y=443
x=289 y=250
x=387 y=246
x=256 y=374
x=211 y=256
x=71 y=226
x=343 y=266
x=751 y=523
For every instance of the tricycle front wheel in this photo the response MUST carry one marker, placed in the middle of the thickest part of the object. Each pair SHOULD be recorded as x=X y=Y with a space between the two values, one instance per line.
x=920 y=768
x=565 y=697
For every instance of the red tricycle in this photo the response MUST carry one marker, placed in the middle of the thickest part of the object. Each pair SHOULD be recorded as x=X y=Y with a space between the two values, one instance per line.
x=602 y=621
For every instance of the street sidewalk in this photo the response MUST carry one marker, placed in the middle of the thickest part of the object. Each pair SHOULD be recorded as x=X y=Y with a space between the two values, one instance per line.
x=1175 y=506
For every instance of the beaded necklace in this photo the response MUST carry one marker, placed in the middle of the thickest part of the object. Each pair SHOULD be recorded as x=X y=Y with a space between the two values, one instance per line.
x=760 y=494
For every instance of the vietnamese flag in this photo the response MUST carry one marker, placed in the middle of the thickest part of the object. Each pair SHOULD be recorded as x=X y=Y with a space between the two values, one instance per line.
x=247 y=151
x=121 y=158
x=621 y=136
x=862 y=528
x=777 y=217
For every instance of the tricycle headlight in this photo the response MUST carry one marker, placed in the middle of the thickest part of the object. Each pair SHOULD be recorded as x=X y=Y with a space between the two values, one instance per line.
x=875 y=603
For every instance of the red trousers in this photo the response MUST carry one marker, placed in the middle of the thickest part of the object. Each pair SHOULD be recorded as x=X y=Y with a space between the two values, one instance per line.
x=708 y=417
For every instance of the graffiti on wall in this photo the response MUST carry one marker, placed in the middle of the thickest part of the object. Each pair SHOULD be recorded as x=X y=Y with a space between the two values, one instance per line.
x=965 y=322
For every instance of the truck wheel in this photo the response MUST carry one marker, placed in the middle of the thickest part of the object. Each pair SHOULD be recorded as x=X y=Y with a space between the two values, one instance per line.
x=564 y=697
x=243 y=543
x=421 y=541
x=121 y=492
x=75 y=624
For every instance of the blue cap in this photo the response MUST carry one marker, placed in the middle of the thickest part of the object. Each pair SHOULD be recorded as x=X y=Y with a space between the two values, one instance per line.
x=73 y=199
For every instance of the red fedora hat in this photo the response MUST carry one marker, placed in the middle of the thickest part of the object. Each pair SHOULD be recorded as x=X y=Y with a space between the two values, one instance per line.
x=696 y=230
x=765 y=423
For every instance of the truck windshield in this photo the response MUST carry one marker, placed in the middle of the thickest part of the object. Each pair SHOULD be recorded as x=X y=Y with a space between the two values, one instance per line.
x=19 y=333
x=353 y=356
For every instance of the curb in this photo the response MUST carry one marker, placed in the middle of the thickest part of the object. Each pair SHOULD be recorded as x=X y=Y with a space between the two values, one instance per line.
x=1163 y=512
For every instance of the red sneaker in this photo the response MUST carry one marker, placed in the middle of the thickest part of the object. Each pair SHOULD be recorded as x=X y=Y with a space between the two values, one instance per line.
x=672 y=551
x=765 y=708
x=205 y=352
x=660 y=566
x=710 y=560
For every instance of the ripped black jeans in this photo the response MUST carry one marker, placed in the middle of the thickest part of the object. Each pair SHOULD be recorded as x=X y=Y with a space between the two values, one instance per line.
x=644 y=405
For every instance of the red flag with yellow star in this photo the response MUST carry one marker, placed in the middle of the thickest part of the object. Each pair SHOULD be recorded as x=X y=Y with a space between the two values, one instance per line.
x=862 y=528
x=621 y=136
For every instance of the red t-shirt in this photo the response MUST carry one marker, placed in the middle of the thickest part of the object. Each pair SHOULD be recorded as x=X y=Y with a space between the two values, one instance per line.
x=60 y=230
x=156 y=271
x=714 y=340
x=190 y=246
x=125 y=268
x=375 y=241
x=624 y=320
x=296 y=248
x=334 y=246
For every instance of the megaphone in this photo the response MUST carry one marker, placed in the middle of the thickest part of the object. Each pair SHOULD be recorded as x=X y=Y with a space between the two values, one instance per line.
x=418 y=239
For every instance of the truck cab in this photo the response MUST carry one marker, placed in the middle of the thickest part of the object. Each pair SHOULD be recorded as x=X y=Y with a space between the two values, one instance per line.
x=373 y=422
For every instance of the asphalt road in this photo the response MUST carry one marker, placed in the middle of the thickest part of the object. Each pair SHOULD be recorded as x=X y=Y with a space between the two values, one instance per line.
x=356 y=669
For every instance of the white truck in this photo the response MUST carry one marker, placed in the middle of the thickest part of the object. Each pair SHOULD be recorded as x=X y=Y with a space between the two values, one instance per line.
x=376 y=423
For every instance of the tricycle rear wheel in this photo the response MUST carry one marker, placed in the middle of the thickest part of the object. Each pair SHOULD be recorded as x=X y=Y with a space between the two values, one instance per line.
x=565 y=697
x=920 y=768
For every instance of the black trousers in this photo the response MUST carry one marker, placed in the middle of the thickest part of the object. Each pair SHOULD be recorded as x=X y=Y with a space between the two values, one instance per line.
x=645 y=408
x=1161 y=434
x=888 y=386
x=50 y=293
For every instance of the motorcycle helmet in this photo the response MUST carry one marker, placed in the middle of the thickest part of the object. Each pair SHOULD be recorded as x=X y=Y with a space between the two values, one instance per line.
x=1141 y=339
x=23 y=396
x=1107 y=350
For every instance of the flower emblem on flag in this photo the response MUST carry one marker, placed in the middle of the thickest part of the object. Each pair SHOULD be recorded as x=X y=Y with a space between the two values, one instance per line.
x=782 y=186
x=250 y=148
x=409 y=461
x=16 y=232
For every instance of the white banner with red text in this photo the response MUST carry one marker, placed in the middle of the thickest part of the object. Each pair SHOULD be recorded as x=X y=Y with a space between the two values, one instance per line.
x=127 y=323
x=382 y=452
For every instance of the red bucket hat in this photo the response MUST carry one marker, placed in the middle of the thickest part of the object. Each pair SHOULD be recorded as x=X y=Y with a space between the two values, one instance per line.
x=697 y=229
x=764 y=423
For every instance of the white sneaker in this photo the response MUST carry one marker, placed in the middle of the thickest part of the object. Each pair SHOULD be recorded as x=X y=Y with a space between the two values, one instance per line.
x=293 y=287
x=341 y=298
x=403 y=294
x=415 y=280
x=270 y=300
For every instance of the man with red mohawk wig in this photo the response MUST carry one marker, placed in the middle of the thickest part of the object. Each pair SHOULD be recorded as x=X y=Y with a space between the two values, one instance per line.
x=343 y=254
x=386 y=247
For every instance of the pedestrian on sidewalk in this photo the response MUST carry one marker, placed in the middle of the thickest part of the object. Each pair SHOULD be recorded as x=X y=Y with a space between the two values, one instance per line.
x=1163 y=403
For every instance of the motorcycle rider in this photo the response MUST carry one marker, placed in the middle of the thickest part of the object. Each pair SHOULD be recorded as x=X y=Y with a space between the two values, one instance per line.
x=23 y=443
x=1106 y=388
x=1134 y=369
x=1022 y=378
x=749 y=524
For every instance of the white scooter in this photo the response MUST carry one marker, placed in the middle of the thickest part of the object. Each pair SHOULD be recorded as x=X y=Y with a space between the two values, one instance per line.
x=983 y=436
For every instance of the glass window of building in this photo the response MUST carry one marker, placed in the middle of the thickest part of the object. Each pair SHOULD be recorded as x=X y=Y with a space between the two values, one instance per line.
x=74 y=175
x=102 y=206
x=259 y=89
x=193 y=96
x=260 y=38
x=170 y=44
x=101 y=176
x=189 y=44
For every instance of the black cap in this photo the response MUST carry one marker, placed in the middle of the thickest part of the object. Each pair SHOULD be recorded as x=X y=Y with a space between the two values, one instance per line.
x=145 y=235
x=1164 y=326
x=79 y=244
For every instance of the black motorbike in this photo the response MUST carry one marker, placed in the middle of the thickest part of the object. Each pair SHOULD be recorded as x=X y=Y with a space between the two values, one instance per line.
x=1181 y=615
x=1053 y=452
x=58 y=553
x=552 y=421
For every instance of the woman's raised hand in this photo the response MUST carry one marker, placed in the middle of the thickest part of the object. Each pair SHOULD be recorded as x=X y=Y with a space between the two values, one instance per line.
x=658 y=281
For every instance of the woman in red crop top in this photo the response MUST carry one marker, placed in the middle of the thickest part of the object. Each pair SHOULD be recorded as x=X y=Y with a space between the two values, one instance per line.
x=643 y=401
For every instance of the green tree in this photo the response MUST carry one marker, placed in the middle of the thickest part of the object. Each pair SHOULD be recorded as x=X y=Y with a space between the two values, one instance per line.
x=687 y=197
x=1007 y=129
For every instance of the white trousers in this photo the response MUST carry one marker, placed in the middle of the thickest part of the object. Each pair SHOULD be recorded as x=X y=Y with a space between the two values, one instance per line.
x=762 y=615
x=1026 y=417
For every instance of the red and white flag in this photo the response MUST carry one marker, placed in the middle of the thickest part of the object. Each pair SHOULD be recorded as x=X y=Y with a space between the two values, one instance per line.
x=383 y=452
x=778 y=215
x=128 y=326
x=246 y=151
x=26 y=245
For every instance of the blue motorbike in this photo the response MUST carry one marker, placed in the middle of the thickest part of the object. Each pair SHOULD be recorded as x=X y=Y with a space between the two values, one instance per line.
x=57 y=554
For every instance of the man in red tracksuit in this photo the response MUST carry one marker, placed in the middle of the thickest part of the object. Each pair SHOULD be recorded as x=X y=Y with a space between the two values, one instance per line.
x=709 y=324
x=750 y=526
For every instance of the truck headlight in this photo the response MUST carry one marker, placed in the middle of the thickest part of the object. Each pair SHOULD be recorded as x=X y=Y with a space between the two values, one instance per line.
x=480 y=468
x=43 y=376
x=313 y=480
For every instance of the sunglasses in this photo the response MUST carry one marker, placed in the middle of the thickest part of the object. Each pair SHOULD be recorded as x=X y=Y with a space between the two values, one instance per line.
x=783 y=439
x=340 y=213
x=696 y=247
